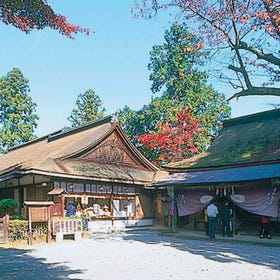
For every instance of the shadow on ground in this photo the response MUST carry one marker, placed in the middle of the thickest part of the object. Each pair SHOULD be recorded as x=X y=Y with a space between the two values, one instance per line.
x=17 y=264
x=215 y=250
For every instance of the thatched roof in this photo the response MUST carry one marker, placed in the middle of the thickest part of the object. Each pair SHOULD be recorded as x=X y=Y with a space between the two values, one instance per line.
x=96 y=151
x=252 y=139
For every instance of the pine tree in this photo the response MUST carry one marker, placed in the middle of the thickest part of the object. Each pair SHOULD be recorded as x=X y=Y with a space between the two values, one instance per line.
x=18 y=119
x=88 y=108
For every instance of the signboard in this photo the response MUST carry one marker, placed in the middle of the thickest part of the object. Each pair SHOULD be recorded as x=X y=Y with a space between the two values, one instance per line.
x=38 y=214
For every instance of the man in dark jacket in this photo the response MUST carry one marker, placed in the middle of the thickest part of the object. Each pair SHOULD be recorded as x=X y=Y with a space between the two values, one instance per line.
x=225 y=217
x=70 y=209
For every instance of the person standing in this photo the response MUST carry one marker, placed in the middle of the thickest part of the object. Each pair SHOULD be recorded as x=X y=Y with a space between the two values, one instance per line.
x=70 y=209
x=212 y=212
x=206 y=221
x=85 y=217
x=225 y=217
x=265 y=227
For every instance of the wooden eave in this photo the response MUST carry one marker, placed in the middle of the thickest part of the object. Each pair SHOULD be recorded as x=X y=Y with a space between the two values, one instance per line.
x=79 y=177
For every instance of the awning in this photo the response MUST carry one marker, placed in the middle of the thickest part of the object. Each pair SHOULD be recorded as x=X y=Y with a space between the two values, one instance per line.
x=226 y=175
x=56 y=191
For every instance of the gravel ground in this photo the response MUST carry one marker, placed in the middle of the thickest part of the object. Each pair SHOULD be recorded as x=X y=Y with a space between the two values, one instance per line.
x=144 y=255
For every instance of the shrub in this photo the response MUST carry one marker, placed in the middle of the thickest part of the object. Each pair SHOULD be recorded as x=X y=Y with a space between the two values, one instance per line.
x=18 y=229
x=8 y=204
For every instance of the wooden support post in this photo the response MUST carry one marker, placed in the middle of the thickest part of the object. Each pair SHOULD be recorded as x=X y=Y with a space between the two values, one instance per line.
x=172 y=209
x=62 y=204
x=30 y=235
x=49 y=226
x=6 y=228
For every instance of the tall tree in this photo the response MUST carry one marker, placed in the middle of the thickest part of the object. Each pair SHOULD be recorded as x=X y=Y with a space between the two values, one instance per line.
x=175 y=74
x=243 y=34
x=88 y=108
x=36 y=14
x=18 y=118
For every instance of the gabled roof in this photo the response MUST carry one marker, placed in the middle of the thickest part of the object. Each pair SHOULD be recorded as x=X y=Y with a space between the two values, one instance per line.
x=97 y=150
x=248 y=140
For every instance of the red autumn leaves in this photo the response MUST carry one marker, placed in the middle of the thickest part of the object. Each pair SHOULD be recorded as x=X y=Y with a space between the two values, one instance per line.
x=173 y=141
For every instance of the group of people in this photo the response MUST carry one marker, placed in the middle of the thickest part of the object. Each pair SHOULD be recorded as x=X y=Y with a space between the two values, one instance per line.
x=211 y=213
x=79 y=211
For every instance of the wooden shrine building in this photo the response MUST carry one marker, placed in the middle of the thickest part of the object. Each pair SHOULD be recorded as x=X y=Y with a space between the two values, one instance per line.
x=242 y=166
x=93 y=165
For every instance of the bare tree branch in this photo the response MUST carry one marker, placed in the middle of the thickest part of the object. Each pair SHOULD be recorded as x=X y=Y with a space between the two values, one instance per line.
x=260 y=91
x=260 y=54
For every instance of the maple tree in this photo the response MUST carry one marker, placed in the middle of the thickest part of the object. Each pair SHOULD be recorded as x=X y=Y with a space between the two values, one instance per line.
x=36 y=14
x=173 y=141
x=243 y=35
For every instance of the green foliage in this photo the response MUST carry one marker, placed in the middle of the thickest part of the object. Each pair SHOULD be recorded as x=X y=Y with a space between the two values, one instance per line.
x=18 y=119
x=16 y=217
x=8 y=204
x=88 y=108
x=175 y=75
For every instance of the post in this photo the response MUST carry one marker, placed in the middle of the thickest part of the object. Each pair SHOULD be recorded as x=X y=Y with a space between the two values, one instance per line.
x=62 y=204
x=30 y=235
x=172 y=209
x=6 y=228
x=49 y=226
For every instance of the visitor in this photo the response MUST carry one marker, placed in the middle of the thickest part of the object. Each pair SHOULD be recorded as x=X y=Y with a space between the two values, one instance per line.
x=79 y=210
x=265 y=227
x=212 y=212
x=85 y=217
x=70 y=209
x=206 y=221
x=225 y=217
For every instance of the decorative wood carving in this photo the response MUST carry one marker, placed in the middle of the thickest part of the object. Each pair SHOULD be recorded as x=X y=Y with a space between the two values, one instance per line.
x=112 y=150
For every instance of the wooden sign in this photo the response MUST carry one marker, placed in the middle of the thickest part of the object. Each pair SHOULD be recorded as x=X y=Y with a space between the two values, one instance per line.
x=38 y=214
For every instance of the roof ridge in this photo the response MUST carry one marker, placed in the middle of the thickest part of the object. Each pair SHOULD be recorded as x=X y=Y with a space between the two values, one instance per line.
x=65 y=131
x=80 y=128
x=252 y=117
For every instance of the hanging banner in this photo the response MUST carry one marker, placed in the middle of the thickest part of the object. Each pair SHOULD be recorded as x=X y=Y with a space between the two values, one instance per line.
x=262 y=201
x=192 y=201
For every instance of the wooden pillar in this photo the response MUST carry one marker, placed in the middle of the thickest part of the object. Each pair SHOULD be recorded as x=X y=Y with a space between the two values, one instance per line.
x=158 y=204
x=62 y=204
x=30 y=236
x=172 y=209
x=111 y=208
x=49 y=225
x=6 y=228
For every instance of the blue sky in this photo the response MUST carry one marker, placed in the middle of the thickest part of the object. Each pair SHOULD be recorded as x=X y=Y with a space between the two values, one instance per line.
x=112 y=61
